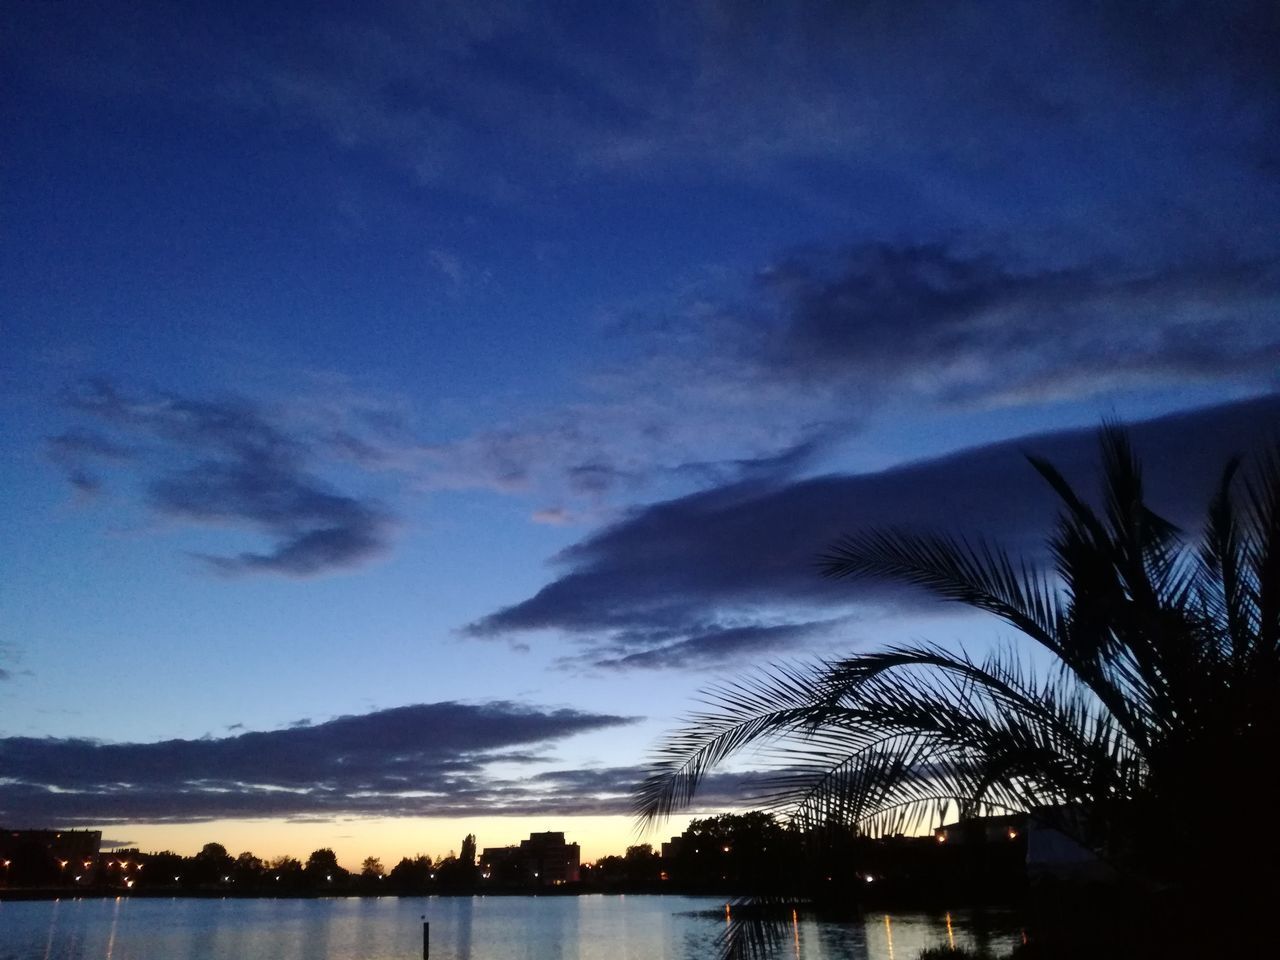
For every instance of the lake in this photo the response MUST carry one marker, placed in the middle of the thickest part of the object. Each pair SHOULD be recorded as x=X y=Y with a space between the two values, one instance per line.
x=462 y=928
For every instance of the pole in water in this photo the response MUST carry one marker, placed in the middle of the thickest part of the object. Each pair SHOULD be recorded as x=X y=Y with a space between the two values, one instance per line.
x=426 y=939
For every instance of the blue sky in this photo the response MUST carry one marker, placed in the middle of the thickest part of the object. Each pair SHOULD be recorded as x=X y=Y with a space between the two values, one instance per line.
x=425 y=365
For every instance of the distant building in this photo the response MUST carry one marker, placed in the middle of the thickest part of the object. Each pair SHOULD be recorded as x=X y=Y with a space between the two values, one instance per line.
x=673 y=848
x=544 y=860
x=975 y=830
x=1051 y=835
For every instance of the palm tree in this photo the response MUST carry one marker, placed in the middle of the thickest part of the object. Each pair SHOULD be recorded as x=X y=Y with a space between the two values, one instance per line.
x=1158 y=721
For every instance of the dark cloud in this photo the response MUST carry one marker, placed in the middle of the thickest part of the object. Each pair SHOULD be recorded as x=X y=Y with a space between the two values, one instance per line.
x=659 y=574
x=954 y=324
x=224 y=463
x=317 y=530
x=426 y=759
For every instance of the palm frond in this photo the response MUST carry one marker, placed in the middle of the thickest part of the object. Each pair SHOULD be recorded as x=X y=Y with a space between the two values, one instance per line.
x=757 y=927
x=977 y=575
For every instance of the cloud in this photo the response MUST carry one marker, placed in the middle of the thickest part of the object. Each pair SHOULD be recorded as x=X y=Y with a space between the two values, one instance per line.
x=76 y=450
x=9 y=654
x=649 y=583
x=671 y=421
x=939 y=321
x=419 y=760
x=1123 y=156
x=731 y=385
x=225 y=463
x=318 y=531
x=610 y=789
x=1071 y=114
x=717 y=645
x=448 y=264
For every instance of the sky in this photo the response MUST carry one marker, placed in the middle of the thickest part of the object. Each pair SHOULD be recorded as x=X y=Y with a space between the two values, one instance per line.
x=406 y=409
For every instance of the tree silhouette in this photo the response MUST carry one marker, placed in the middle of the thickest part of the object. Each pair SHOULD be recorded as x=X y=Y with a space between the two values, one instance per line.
x=1162 y=698
x=210 y=865
x=322 y=869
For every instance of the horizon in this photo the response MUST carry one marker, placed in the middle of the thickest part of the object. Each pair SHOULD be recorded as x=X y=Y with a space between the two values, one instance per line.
x=406 y=413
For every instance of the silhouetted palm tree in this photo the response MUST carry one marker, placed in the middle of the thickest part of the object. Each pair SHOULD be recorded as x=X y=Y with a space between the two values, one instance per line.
x=1157 y=724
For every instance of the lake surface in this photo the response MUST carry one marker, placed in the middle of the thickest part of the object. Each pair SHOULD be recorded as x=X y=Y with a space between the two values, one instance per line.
x=462 y=928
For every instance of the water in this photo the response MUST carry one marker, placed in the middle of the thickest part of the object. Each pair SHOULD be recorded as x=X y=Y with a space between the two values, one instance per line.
x=462 y=928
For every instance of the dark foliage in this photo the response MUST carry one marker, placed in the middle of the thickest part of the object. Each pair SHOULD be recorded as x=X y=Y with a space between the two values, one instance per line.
x=1148 y=728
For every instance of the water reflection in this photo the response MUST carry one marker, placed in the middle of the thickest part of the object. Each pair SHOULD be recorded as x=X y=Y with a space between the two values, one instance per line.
x=115 y=922
x=462 y=928
x=466 y=920
x=53 y=926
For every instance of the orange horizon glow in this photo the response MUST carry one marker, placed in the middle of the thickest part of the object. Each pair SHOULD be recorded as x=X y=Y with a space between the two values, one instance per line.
x=387 y=838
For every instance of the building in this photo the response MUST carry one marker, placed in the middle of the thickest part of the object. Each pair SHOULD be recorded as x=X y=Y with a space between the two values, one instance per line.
x=544 y=860
x=976 y=830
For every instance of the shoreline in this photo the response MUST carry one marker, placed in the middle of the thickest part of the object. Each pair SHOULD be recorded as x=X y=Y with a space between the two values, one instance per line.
x=922 y=903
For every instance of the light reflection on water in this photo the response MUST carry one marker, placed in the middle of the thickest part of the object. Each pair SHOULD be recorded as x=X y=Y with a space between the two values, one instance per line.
x=462 y=928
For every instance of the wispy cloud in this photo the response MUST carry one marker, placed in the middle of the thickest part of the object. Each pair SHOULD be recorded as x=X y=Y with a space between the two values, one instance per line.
x=943 y=109
x=710 y=647
x=78 y=452
x=820 y=341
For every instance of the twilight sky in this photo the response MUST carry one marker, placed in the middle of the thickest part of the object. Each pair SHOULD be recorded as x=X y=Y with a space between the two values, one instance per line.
x=405 y=410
